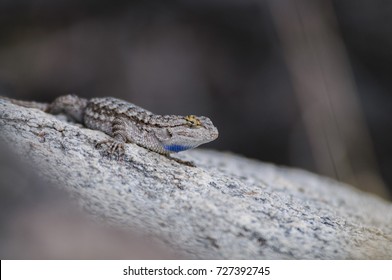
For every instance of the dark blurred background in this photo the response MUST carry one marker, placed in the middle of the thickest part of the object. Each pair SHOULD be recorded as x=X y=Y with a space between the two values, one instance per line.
x=302 y=83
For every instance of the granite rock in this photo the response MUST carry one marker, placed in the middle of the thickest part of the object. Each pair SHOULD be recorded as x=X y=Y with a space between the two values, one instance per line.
x=227 y=207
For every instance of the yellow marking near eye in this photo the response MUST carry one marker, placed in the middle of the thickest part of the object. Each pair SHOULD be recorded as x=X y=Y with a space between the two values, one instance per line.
x=193 y=121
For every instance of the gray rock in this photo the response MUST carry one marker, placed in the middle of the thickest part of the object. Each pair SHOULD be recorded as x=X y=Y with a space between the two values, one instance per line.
x=228 y=207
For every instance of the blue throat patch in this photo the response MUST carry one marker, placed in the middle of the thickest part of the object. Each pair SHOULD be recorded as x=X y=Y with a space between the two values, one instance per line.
x=175 y=148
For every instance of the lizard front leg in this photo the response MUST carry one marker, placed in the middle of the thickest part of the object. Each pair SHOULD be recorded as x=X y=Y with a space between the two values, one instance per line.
x=120 y=135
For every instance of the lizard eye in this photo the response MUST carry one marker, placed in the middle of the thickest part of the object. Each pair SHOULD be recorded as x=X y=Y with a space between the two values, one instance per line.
x=193 y=121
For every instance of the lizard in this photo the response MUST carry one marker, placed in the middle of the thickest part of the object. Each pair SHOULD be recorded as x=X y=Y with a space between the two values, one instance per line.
x=128 y=123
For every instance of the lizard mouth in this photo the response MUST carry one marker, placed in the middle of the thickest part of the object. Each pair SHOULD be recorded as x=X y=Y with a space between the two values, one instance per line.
x=214 y=134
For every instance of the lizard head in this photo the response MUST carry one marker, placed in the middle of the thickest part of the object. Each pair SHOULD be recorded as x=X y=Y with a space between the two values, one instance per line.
x=187 y=133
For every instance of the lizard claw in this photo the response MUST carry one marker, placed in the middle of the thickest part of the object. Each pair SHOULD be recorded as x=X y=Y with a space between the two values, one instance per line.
x=114 y=147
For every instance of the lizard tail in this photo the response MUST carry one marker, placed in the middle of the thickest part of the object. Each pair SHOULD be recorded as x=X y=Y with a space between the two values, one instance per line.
x=70 y=105
x=28 y=104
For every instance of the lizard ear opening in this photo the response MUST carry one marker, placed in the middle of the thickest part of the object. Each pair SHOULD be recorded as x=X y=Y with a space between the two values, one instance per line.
x=163 y=134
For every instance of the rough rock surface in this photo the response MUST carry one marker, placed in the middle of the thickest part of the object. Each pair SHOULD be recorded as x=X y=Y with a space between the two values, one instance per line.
x=228 y=207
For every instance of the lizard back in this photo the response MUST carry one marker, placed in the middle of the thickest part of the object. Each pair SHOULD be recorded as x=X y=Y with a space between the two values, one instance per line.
x=100 y=113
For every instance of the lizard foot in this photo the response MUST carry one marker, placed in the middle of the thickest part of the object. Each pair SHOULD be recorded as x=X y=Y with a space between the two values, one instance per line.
x=113 y=147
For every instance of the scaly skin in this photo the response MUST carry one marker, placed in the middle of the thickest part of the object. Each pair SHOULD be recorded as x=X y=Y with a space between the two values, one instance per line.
x=128 y=123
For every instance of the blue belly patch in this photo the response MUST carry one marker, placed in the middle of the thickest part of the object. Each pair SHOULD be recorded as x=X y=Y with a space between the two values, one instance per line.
x=176 y=148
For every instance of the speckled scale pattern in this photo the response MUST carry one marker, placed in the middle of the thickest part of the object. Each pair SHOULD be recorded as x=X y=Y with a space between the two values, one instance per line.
x=100 y=113
x=163 y=134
